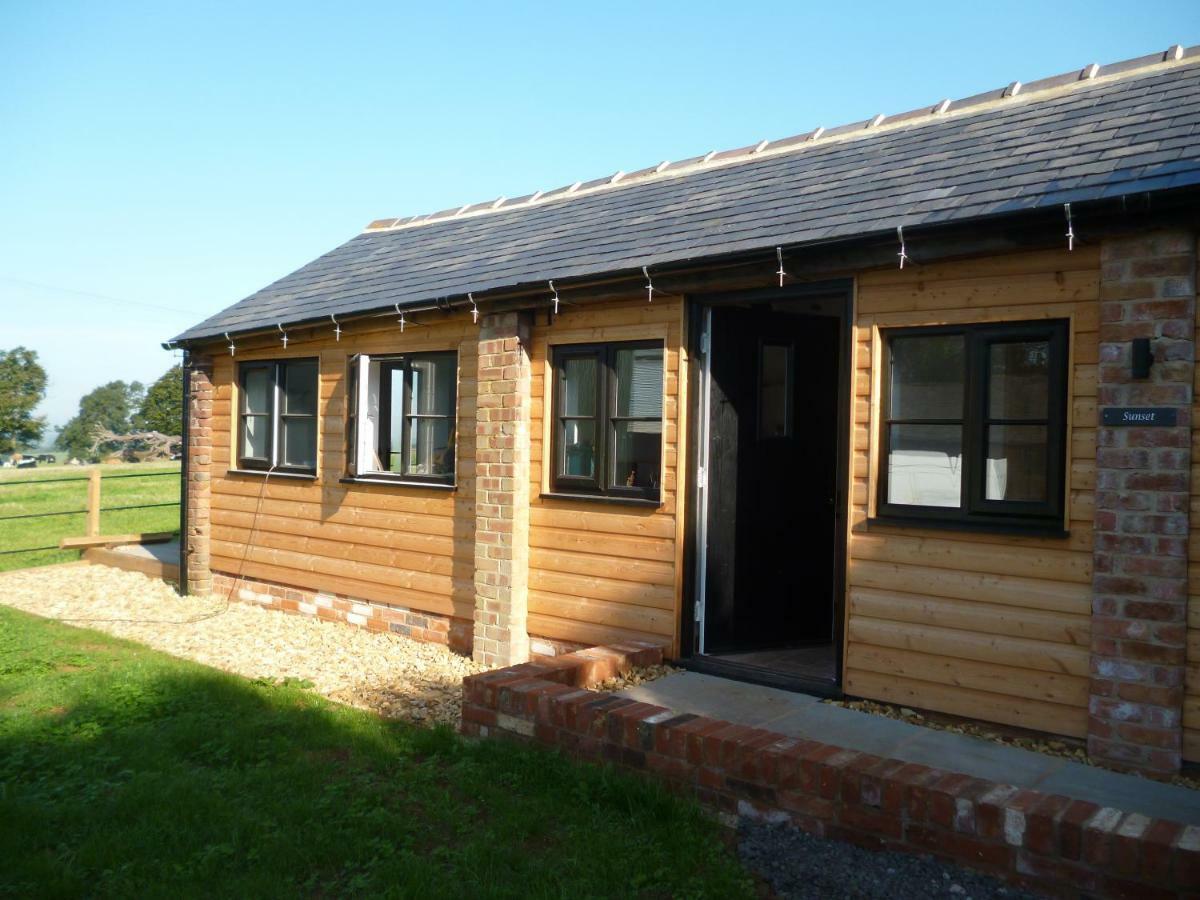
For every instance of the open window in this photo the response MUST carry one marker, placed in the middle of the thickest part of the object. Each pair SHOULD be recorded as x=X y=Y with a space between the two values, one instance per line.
x=608 y=407
x=974 y=424
x=277 y=415
x=402 y=417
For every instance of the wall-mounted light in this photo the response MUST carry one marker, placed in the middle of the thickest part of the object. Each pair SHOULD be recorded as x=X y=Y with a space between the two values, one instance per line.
x=1142 y=358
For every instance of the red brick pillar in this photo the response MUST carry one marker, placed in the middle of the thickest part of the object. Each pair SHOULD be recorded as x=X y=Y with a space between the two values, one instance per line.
x=1140 y=555
x=199 y=473
x=502 y=425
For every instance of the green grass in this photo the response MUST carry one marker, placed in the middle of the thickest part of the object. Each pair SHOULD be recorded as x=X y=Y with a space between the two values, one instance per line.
x=55 y=496
x=126 y=772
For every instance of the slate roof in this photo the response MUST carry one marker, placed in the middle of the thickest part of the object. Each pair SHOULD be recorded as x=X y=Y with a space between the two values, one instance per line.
x=1101 y=132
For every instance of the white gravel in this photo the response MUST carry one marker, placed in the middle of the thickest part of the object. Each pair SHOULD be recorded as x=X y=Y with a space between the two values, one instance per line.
x=390 y=674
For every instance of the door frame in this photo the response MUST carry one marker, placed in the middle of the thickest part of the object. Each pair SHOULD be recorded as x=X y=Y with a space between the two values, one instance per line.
x=838 y=299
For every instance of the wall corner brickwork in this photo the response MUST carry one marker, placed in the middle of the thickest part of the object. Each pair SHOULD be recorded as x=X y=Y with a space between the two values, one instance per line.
x=1140 y=552
x=502 y=489
x=198 y=477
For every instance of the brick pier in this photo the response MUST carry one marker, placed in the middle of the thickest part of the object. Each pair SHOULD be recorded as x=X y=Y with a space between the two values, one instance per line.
x=1140 y=556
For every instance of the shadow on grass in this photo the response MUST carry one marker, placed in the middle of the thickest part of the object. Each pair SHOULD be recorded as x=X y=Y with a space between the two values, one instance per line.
x=127 y=772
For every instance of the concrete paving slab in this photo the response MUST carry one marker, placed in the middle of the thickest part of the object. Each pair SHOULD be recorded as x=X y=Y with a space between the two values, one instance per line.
x=1128 y=792
x=720 y=698
x=979 y=757
x=800 y=715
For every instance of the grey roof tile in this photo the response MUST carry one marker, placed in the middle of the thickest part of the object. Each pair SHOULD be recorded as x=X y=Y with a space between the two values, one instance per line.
x=1104 y=138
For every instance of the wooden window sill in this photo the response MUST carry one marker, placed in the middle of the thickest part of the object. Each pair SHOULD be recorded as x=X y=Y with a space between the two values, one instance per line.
x=399 y=482
x=1016 y=529
x=264 y=473
x=601 y=498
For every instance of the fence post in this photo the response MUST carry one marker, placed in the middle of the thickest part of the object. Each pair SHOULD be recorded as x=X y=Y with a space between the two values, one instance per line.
x=93 y=503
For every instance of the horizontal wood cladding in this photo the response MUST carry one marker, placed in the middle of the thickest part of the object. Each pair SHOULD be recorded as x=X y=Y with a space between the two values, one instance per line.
x=601 y=573
x=988 y=626
x=404 y=545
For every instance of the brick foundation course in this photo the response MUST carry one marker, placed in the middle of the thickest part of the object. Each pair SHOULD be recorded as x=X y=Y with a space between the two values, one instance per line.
x=412 y=623
x=415 y=624
x=1045 y=842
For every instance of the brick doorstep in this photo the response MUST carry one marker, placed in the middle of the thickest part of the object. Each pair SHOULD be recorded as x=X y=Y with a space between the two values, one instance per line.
x=1041 y=841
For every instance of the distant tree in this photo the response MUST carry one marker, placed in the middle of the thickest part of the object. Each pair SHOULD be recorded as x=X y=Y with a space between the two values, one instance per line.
x=110 y=406
x=22 y=387
x=162 y=407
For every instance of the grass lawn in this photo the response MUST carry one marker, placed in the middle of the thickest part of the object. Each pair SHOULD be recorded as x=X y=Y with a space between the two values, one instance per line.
x=48 y=494
x=127 y=772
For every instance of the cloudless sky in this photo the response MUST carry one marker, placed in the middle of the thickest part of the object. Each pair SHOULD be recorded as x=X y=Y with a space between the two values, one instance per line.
x=160 y=161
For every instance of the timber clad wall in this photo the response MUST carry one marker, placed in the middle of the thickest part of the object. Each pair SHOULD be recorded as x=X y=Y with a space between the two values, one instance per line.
x=602 y=573
x=995 y=627
x=407 y=546
x=598 y=572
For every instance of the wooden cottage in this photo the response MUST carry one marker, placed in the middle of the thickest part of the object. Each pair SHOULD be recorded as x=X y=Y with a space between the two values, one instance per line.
x=900 y=409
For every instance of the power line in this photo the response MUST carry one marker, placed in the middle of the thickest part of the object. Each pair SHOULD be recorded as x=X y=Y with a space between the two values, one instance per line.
x=109 y=298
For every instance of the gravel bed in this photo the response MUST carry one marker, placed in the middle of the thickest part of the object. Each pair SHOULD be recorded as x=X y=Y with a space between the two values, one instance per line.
x=798 y=865
x=390 y=674
x=635 y=676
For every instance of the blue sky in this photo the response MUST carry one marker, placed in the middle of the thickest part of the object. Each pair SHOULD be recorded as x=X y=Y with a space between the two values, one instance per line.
x=159 y=161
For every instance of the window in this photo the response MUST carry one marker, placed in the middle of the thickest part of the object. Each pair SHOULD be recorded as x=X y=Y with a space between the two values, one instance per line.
x=277 y=422
x=975 y=423
x=608 y=419
x=401 y=423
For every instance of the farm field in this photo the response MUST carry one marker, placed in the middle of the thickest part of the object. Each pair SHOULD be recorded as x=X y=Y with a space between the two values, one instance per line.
x=25 y=492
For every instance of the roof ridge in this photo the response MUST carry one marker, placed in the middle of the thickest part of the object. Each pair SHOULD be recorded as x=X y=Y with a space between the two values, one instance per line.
x=981 y=102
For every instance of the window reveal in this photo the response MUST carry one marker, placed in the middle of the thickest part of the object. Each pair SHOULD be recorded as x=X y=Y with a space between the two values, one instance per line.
x=608 y=419
x=277 y=420
x=974 y=424
x=402 y=416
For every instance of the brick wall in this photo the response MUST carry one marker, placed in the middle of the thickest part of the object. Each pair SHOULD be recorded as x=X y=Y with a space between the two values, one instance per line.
x=416 y=624
x=1045 y=842
x=1141 y=522
x=199 y=475
x=502 y=423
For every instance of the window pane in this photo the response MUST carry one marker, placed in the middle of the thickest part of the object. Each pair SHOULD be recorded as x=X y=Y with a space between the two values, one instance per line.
x=256 y=390
x=431 y=386
x=637 y=457
x=639 y=381
x=927 y=377
x=255 y=431
x=299 y=437
x=396 y=410
x=775 y=385
x=1016 y=463
x=577 y=448
x=300 y=388
x=1019 y=380
x=925 y=465
x=430 y=447
x=579 y=386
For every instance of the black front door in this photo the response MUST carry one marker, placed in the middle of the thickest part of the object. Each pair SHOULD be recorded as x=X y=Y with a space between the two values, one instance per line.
x=772 y=528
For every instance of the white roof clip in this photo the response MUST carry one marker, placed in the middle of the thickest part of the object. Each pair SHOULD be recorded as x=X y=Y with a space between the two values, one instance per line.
x=232 y=347
x=337 y=329
x=649 y=285
x=554 y=291
x=474 y=309
x=781 y=273
x=1070 y=227
x=903 y=254
x=284 y=333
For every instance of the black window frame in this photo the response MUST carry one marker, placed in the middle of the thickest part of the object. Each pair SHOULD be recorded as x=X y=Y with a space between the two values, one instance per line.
x=389 y=363
x=603 y=484
x=975 y=510
x=275 y=415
